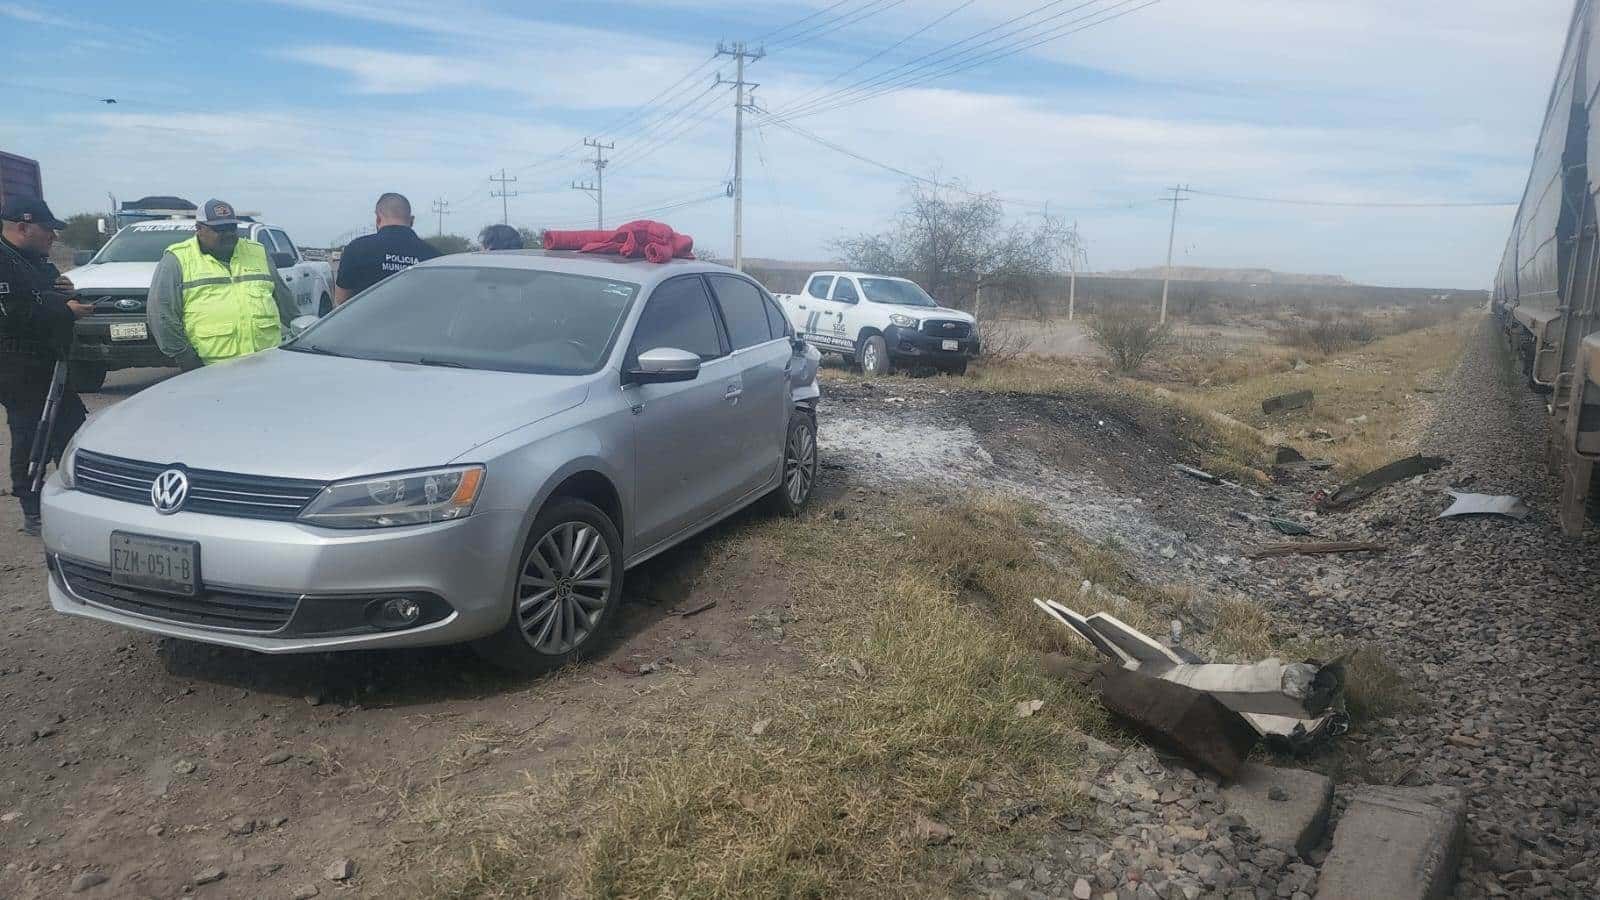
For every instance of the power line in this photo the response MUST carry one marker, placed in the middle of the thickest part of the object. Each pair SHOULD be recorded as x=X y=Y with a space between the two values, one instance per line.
x=939 y=55
x=646 y=212
x=740 y=55
x=688 y=124
x=599 y=178
x=821 y=89
x=442 y=208
x=1358 y=204
x=873 y=8
x=770 y=35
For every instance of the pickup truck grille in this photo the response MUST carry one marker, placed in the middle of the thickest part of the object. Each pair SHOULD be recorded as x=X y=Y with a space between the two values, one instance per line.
x=946 y=328
x=123 y=301
x=213 y=493
x=211 y=608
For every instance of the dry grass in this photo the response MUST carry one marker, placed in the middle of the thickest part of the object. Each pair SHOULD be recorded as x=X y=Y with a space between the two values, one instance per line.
x=1382 y=381
x=923 y=641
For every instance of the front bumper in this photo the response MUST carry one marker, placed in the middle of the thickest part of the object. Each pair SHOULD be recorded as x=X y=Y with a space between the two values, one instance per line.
x=328 y=575
x=92 y=344
x=911 y=344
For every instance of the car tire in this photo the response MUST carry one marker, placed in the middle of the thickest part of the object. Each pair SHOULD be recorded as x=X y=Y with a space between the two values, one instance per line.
x=799 y=479
x=875 y=356
x=324 y=306
x=86 y=377
x=553 y=625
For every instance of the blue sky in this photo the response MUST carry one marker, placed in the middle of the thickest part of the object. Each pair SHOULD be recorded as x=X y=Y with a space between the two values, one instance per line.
x=305 y=110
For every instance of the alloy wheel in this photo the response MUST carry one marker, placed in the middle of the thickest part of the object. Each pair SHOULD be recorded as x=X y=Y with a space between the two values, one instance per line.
x=800 y=464
x=869 y=359
x=564 y=587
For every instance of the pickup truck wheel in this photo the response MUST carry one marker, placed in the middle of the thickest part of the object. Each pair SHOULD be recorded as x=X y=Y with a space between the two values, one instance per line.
x=86 y=377
x=568 y=587
x=324 y=306
x=799 y=465
x=875 y=356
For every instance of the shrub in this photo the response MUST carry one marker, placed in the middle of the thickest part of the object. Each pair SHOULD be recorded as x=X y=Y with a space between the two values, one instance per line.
x=1003 y=340
x=1128 y=338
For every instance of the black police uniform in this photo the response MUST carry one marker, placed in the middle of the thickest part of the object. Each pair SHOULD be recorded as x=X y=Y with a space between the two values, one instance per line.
x=35 y=331
x=370 y=259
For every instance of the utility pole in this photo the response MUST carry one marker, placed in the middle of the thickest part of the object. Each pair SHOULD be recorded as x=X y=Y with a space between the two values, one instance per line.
x=1072 y=268
x=592 y=190
x=504 y=195
x=599 y=187
x=740 y=54
x=442 y=207
x=1166 y=280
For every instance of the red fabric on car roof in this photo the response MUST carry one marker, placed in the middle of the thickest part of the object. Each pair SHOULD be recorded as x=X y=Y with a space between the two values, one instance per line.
x=654 y=241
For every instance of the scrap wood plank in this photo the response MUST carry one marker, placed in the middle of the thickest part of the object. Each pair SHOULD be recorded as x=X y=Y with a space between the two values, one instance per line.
x=1314 y=547
x=1294 y=400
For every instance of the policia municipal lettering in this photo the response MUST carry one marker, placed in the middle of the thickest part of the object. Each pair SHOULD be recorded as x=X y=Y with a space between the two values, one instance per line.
x=36 y=316
x=217 y=296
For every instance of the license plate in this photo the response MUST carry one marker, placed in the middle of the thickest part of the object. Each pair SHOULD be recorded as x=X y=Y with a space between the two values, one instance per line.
x=158 y=564
x=952 y=345
x=130 y=331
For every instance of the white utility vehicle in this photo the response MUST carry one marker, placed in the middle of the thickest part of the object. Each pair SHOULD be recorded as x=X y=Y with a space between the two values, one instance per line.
x=880 y=322
x=117 y=281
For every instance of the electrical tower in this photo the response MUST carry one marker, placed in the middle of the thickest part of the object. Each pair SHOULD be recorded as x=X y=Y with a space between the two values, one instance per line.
x=442 y=207
x=1172 y=232
x=598 y=188
x=740 y=54
x=503 y=194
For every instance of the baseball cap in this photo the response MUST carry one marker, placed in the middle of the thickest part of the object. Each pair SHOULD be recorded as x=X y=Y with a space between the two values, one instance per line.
x=32 y=211
x=215 y=212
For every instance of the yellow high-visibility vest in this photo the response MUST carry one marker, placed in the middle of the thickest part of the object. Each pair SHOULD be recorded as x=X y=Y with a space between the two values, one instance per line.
x=228 y=311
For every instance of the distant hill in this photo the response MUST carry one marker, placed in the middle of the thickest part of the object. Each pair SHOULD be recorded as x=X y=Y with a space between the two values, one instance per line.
x=1230 y=276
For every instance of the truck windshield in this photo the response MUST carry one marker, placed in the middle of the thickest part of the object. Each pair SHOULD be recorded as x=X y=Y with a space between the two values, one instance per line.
x=498 y=319
x=899 y=293
x=142 y=244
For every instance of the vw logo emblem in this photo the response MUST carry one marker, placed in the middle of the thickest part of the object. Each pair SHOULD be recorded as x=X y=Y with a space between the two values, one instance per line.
x=168 y=491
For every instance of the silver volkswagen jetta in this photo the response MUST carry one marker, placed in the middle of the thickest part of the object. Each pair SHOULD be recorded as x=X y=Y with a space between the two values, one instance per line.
x=473 y=450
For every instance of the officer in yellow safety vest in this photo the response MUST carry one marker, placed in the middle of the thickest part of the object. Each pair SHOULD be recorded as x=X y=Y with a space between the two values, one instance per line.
x=217 y=296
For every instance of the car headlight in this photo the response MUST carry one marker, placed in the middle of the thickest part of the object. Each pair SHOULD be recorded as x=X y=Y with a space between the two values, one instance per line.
x=68 y=468
x=407 y=498
x=903 y=321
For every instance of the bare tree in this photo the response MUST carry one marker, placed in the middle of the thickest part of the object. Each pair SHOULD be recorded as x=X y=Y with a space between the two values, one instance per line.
x=959 y=246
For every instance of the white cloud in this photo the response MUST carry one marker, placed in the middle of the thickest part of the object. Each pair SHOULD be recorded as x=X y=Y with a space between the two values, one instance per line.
x=34 y=16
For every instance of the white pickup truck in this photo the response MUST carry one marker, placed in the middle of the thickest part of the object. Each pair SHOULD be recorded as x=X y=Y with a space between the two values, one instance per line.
x=880 y=322
x=117 y=280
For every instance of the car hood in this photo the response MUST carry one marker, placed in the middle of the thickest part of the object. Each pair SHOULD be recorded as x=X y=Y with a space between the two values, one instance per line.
x=100 y=276
x=947 y=313
x=296 y=415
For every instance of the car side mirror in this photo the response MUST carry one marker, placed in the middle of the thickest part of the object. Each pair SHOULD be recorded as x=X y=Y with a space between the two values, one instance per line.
x=283 y=260
x=299 y=324
x=798 y=343
x=82 y=257
x=664 y=365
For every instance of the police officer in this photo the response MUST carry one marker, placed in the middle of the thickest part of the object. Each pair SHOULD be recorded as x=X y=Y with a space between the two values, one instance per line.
x=217 y=296
x=36 y=316
x=395 y=247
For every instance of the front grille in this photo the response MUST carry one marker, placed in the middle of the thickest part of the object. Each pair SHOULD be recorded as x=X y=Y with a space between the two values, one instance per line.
x=213 y=493
x=945 y=328
x=113 y=302
x=210 y=608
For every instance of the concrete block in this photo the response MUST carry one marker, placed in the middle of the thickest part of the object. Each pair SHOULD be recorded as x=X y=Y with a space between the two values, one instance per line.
x=1288 y=806
x=1396 y=843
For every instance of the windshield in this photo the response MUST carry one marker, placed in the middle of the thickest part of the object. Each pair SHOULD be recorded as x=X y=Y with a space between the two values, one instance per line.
x=506 y=320
x=142 y=244
x=899 y=293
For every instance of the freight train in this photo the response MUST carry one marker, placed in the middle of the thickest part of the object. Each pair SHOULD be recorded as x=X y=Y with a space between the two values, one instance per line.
x=1547 y=292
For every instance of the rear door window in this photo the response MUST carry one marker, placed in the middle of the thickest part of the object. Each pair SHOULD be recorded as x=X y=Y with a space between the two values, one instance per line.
x=844 y=291
x=743 y=311
x=776 y=320
x=678 y=316
x=819 y=285
x=284 y=244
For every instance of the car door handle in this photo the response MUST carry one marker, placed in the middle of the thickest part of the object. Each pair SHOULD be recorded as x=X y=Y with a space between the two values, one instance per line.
x=801 y=305
x=733 y=392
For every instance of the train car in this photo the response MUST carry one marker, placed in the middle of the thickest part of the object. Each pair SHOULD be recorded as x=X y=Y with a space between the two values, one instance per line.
x=1547 y=291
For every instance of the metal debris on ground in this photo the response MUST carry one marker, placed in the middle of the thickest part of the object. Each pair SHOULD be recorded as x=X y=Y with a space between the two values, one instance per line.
x=1286 y=454
x=1486 y=505
x=1201 y=474
x=1298 y=704
x=1373 y=481
x=1282 y=526
x=1313 y=548
x=1283 y=402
